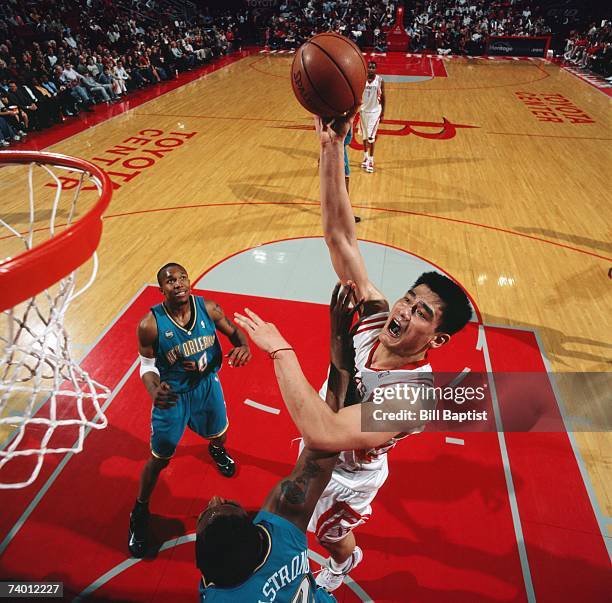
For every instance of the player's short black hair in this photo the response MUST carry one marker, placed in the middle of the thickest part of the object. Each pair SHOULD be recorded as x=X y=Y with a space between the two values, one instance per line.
x=457 y=310
x=228 y=549
x=160 y=272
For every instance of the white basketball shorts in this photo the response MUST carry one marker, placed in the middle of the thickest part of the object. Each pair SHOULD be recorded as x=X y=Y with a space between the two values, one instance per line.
x=368 y=122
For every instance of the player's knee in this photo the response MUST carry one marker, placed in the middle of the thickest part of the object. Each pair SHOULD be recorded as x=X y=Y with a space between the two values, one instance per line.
x=329 y=545
x=158 y=463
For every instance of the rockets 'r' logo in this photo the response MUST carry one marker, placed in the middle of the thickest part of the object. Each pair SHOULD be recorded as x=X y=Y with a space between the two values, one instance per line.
x=432 y=130
x=442 y=131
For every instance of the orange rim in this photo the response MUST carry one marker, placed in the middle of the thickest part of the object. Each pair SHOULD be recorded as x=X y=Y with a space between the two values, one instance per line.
x=36 y=269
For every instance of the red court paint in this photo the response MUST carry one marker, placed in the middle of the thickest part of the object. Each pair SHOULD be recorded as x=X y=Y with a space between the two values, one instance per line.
x=398 y=63
x=566 y=552
x=441 y=528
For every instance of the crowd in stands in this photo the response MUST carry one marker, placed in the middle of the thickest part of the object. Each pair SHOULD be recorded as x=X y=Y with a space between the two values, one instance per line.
x=62 y=57
x=441 y=26
x=464 y=26
x=457 y=26
x=591 y=49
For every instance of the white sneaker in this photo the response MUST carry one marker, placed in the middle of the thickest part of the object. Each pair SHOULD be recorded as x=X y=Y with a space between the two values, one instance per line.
x=331 y=580
x=364 y=163
x=370 y=166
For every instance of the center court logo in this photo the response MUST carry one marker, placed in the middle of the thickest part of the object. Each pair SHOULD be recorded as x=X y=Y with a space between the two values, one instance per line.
x=431 y=130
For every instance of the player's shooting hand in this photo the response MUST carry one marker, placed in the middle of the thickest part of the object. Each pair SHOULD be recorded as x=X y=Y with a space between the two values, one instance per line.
x=239 y=356
x=264 y=334
x=332 y=130
x=341 y=316
x=163 y=396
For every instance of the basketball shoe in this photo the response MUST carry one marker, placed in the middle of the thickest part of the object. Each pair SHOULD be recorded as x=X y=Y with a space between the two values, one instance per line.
x=225 y=463
x=370 y=166
x=139 y=526
x=364 y=163
x=331 y=579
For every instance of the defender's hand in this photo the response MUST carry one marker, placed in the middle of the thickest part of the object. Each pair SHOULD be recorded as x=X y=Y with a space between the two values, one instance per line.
x=341 y=319
x=239 y=356
x=163 y=396
x=264 y=334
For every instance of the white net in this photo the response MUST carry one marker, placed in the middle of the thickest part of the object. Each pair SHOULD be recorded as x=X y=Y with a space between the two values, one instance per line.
x=48 y=403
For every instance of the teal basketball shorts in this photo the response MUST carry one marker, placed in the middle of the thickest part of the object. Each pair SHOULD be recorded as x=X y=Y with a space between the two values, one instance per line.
x=202 y=409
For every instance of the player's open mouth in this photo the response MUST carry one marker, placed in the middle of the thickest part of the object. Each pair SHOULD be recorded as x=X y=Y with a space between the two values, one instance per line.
x=395 y=328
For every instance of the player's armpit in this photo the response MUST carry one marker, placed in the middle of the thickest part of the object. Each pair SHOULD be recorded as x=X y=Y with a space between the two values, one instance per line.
x=375 y=305
x=296 y=496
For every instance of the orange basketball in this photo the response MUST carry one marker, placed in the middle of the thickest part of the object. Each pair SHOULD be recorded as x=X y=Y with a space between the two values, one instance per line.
x=328 y=75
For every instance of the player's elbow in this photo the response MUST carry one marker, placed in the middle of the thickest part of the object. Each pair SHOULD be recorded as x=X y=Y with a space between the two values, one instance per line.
x=320 y=441
x=337 y=240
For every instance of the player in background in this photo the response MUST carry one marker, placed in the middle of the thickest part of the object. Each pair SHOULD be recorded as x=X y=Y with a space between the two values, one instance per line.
x=370 y=114
x=391 y=346
x=180 y=356
x=266 y=558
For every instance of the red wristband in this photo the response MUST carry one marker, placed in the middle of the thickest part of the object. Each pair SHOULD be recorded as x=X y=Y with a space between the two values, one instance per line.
x=273 y=354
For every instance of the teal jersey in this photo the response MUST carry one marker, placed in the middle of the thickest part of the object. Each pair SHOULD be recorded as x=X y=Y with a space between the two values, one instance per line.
x=283 y=577
x=197 y=341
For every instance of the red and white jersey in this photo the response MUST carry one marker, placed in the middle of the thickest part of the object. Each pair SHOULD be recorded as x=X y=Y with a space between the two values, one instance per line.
x=368 y=379
x=372 y=95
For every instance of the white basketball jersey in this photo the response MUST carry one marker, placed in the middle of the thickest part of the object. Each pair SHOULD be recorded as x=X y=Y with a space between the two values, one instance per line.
x=372 y=94
x=367 y=379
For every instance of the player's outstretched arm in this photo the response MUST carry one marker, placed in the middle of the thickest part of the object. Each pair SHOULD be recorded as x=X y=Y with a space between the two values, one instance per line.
x=296 y=496
x=241 y=352
x=336 y=211
x=320 y=427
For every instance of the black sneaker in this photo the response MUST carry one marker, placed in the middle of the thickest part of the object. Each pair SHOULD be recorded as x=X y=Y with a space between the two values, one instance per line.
x=139 y=524
x=226 y=464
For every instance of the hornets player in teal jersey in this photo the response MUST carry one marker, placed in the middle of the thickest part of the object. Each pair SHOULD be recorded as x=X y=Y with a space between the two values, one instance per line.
x=265 y=559
x=180 y=356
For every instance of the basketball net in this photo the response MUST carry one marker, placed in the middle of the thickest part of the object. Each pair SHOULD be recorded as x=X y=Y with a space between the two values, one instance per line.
x=48 y=403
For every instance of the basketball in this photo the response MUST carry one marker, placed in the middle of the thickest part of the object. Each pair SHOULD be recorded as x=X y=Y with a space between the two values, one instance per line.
x=328 y=75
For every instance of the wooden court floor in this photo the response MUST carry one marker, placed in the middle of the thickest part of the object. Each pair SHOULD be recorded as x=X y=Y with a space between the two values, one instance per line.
x=499 y=173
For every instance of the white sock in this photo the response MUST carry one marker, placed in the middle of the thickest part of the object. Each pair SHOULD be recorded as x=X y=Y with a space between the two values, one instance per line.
x=365 y=156
x=371 y=158
x=339 y=568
